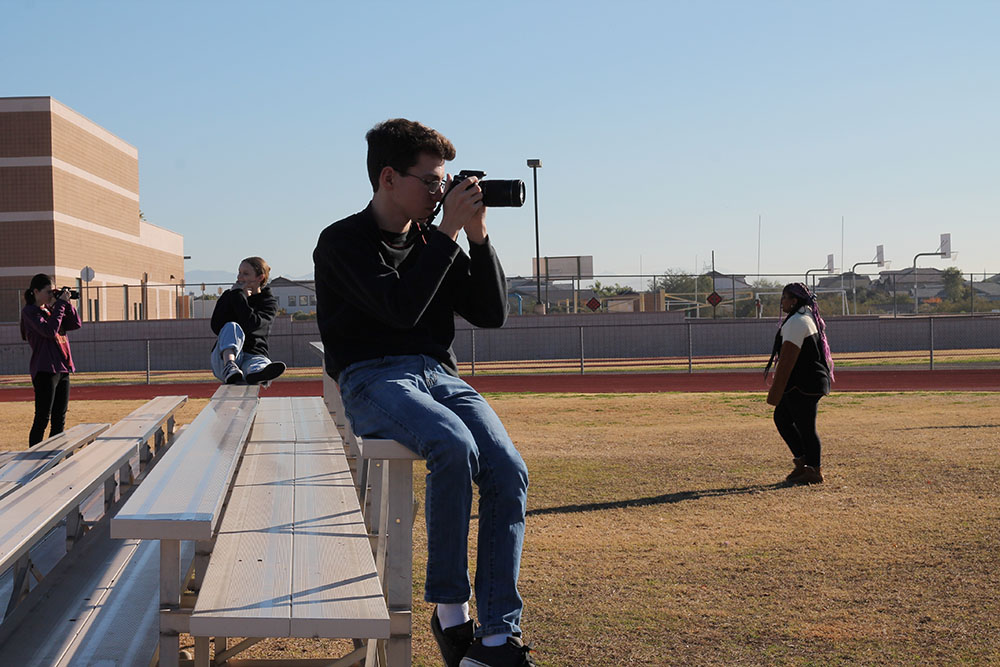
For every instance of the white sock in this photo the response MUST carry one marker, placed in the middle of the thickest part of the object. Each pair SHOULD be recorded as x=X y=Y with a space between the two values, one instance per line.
x=495 y=640
x=450 y=615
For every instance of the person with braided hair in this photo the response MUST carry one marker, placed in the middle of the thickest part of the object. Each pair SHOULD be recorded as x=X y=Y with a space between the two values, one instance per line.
x=802 y=376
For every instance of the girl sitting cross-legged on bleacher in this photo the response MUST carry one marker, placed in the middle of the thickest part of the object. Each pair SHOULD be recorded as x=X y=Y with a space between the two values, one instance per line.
x=242 y=320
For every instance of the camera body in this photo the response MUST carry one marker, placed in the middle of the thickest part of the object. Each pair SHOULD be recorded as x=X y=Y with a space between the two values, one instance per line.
x=73 y=294
x=496 y=193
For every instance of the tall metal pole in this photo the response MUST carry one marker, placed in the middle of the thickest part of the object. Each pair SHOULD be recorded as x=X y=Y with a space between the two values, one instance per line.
x=758 y=248
x=535 y=164
x=854 y=282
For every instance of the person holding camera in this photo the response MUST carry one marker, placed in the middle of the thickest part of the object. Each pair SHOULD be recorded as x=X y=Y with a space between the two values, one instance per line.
x=242 y=321
x=46 y=317
x=388 y=287
x=801 y=378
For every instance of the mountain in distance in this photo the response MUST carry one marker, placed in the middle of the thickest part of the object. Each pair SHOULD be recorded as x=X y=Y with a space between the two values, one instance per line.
x=193 y=279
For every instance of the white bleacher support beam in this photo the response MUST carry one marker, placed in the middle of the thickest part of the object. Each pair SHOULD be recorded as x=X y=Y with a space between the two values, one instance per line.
x=110 y=490
x=74 y=527
x=398 y=575
x=202 y=555
x=20 y=585
x=170 y=600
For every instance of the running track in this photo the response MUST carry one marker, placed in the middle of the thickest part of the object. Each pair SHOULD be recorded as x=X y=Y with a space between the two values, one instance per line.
x=847 y=380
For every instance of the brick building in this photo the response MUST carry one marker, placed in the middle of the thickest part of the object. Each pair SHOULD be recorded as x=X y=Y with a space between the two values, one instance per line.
x=69 y=198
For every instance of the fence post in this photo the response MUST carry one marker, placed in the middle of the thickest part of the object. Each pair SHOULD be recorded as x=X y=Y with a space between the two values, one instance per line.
x=472 y=333
x=894 y=295
x=733 y=281
x=930 y=327
x=972 y=292
x=147 y=361
x=581 y=350
x=689 y=347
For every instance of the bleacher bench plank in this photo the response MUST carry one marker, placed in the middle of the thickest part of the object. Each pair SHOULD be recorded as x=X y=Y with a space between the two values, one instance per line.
x=182 y=497
x=100 y=609
x=28 y=464
x=348 y=601
x=74 y=601
x=292 y=558
x=33 y=509
x=145 y=420
x=251 y=586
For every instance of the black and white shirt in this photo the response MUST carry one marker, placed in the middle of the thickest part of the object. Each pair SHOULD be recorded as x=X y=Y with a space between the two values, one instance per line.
x=810 y=375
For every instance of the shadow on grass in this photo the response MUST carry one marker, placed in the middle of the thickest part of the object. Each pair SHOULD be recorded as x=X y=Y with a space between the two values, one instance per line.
x=925 y=428
x=665 y=499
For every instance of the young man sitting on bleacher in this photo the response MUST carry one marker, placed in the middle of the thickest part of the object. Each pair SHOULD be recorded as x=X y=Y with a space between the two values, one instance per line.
x=388 y=286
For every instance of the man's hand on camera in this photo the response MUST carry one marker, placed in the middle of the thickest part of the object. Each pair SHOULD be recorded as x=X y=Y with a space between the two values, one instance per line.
x=463 y=209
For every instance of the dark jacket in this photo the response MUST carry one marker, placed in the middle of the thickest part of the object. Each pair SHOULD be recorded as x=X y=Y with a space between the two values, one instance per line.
x=810 y=374
x=378 y=298
x=254 y=314
x=45 y=330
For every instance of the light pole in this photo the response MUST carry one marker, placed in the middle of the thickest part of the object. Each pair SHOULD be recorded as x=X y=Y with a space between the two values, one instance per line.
x=825 y=268
x=879 y=259
x=535 y=165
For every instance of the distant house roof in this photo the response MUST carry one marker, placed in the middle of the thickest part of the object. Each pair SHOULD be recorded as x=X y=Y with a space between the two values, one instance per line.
x=285 y=282
x=988 y=289
x=726 y=281
x=924 y=274
x=849 y=280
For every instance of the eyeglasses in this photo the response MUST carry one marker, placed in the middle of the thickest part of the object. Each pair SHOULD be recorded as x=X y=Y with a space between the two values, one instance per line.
x=434 y=186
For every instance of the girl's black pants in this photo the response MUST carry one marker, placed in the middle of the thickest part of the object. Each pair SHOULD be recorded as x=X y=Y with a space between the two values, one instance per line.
x=51 y=402
x=795 y=418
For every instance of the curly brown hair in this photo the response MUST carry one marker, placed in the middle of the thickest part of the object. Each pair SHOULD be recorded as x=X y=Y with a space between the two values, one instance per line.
x=398 y=143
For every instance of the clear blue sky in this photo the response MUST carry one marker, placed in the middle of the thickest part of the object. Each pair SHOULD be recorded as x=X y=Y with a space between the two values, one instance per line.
x=665 y=128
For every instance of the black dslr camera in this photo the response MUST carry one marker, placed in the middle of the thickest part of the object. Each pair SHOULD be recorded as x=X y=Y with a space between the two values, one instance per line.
x=495 y=193
x=73 y=294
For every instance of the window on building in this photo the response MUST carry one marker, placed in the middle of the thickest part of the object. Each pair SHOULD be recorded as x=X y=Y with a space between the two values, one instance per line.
x=312 y=299
x=303 y=300
x=291 y=300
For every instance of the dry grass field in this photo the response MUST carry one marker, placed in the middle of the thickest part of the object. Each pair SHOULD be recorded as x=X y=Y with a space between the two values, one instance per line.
x=658 y=535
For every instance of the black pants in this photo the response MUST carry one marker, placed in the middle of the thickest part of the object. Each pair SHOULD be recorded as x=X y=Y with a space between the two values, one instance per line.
x=51 y=400
x=795 y=418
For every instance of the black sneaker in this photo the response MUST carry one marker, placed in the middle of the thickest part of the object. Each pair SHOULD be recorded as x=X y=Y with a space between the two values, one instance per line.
x=232 y=373
x=453 y=642
x=514 y=653
x=266 y=374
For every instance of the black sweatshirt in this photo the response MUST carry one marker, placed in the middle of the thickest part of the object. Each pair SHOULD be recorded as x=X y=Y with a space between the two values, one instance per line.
x=380 y=295
x=254 y=314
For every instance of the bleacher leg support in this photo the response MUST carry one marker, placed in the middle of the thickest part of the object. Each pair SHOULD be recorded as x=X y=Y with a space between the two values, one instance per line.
x=170 y=600
x=399 y=561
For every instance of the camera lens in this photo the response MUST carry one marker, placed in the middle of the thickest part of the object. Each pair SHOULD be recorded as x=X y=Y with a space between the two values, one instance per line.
x=502 y=193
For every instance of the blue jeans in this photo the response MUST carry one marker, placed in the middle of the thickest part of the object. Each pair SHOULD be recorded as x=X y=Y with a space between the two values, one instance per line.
x=231 y=336
x=413 y=399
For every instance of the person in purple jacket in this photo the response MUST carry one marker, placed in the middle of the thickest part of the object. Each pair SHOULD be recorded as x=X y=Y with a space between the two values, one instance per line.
x=45 y=319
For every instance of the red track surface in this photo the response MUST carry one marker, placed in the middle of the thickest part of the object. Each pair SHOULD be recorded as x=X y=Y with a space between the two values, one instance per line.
x=942 y=380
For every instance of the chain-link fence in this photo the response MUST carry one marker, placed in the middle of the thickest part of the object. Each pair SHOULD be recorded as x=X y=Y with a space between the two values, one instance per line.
x=706 y=295
x=687 y=345
x=617 y=342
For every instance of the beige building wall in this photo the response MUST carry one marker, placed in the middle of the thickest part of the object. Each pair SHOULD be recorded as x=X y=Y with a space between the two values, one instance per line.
x=69 y=198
